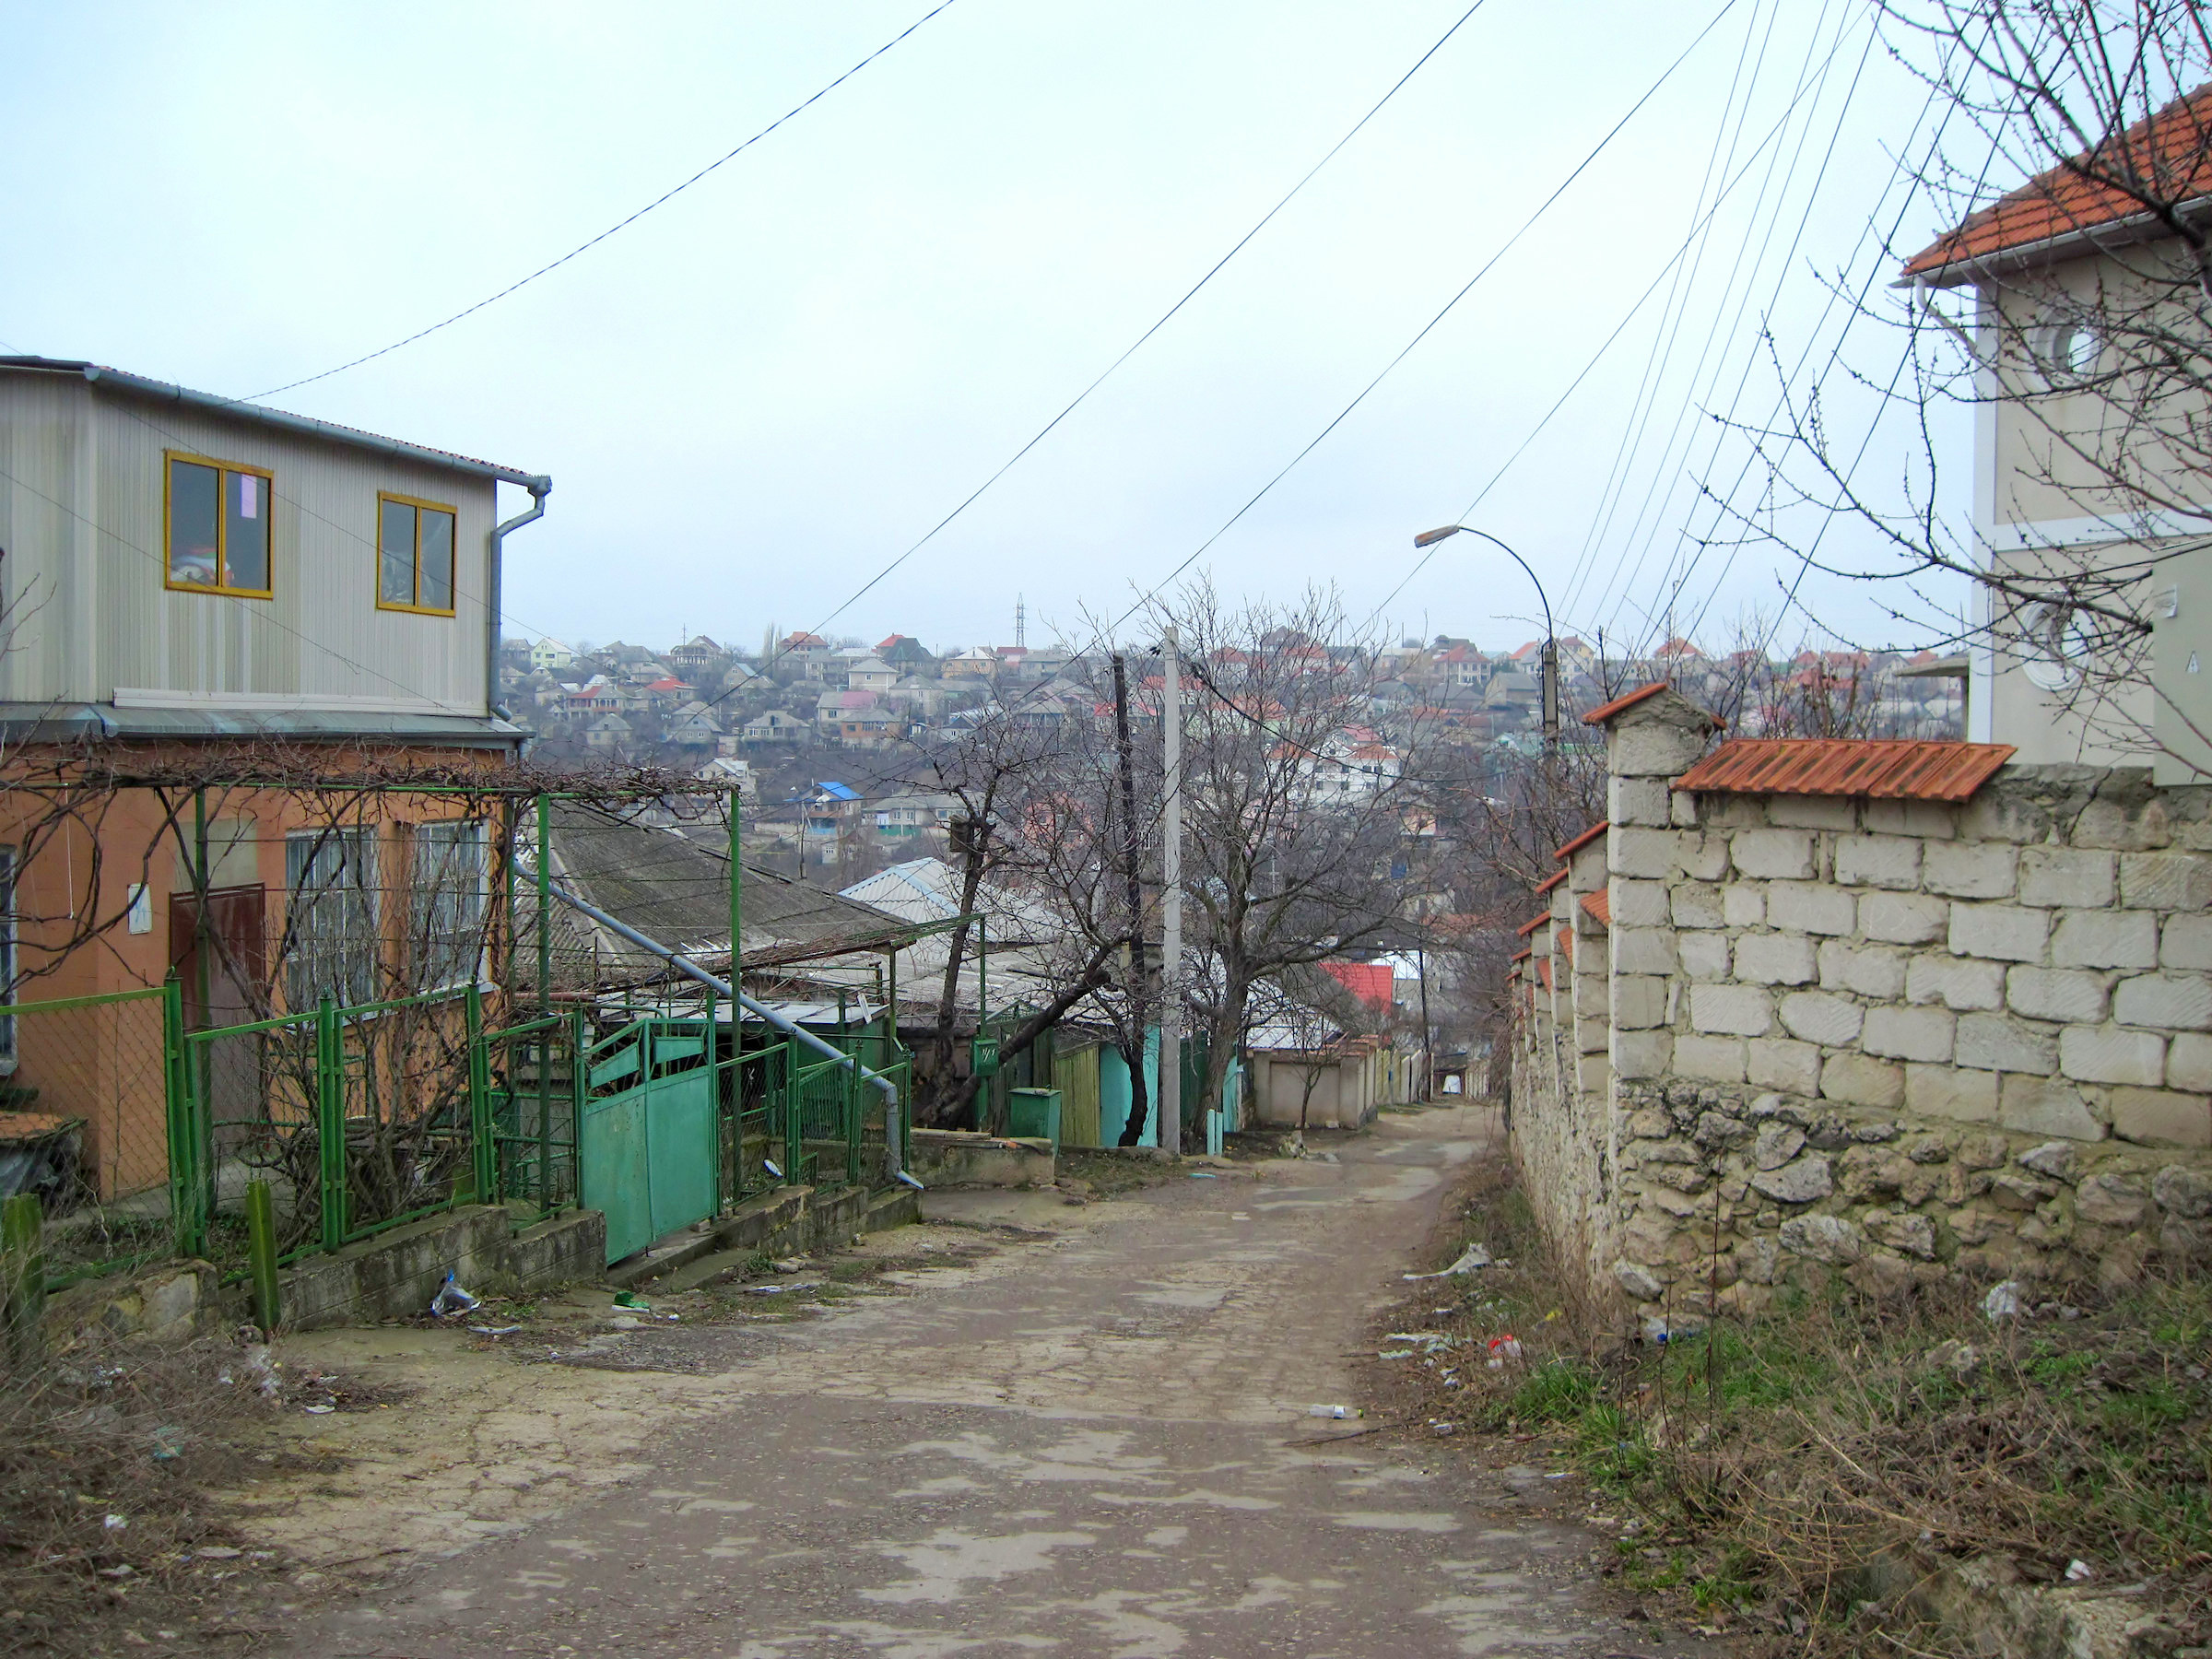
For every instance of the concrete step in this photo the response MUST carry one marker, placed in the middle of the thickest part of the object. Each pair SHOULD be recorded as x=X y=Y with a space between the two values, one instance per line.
x=756 y=1224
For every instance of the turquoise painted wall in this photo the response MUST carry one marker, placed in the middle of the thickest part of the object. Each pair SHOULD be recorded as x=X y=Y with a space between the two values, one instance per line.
x=1114 y=1093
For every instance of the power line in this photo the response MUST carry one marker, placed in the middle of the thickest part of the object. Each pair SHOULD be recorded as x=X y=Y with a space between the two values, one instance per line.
x=623 y=224
x=1604 y=346
x=1738 y=269
x=1046 y=429
x=1624 y=456
x=1661 y=489
x=1428 y=328
x=1042 y=432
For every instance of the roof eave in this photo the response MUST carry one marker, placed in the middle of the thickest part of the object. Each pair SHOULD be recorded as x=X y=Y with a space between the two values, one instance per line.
x=304 y=424
x=2129 y=232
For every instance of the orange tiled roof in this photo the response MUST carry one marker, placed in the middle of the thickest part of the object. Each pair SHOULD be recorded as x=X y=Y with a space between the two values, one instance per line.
x=1583 y=839
x=1534 y=922
x=1549 y=882
x=2171 y=153
x=1543 y=970
x=1563 y=942
x=1600 y=905
x=1883 y=769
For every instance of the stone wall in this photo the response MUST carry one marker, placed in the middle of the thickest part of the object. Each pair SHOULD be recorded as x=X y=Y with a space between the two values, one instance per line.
x=1904 y=1040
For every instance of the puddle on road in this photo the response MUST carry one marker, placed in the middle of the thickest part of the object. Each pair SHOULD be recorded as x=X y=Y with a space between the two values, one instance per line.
x=1390 y=1521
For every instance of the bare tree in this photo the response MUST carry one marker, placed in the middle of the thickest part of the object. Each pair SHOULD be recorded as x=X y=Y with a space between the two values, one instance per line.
x=2090 y=346
x=1295 y=809
x=991 y=766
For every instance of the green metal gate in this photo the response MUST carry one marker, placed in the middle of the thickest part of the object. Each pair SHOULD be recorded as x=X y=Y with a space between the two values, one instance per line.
x=649 y=1142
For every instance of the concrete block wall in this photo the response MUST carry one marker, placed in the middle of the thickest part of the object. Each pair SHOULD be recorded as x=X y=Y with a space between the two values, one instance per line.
x=1837 y=1029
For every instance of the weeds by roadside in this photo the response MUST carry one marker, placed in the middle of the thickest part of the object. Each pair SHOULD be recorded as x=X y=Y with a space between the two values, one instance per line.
x=110 y=1533
x=1758 y=1468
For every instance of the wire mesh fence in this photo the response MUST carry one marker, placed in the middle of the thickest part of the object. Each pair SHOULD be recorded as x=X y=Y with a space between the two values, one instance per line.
x=84 y=1125
x=358 y=1119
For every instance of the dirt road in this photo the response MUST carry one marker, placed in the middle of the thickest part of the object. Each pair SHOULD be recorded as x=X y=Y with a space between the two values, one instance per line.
x=1093 y=1440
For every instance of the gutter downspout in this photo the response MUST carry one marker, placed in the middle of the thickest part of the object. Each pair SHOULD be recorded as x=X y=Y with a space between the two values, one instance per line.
x=539 y=490
x=894 y=1154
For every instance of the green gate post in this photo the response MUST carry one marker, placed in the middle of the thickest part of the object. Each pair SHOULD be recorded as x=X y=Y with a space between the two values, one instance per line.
x=714 y=1050
x=187 y=1214
x=580 y=1089
x=261 y=1252
x=483 y=1164
x=23 y=1269
x=544 y=1009
x=330 y=1120
x=794 y=1125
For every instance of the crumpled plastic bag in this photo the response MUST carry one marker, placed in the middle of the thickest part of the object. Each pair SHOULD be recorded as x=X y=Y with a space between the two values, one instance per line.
x=451 y=1299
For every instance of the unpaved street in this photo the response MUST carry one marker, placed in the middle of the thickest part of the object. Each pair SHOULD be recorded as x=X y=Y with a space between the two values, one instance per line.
x=1092 y=1440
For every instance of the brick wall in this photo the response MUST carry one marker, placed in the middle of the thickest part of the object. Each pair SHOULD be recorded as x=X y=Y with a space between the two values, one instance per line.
x=1898 y=1039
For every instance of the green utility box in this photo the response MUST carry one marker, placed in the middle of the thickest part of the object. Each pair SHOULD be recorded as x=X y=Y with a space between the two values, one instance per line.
x=1034 y=1114
x=983 y=1056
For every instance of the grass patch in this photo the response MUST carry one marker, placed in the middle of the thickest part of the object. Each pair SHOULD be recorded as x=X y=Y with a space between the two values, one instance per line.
x=1760 y=1464
x=1111 y=1173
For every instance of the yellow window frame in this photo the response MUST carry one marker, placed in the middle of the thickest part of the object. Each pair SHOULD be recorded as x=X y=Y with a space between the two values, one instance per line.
x=222 y=527
x=420 y=506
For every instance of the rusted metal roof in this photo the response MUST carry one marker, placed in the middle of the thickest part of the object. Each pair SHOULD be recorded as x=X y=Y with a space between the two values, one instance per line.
x=1534 y=922
x=1598 y=716
x=1600 y=905
x=1583 y=839
x=1549 y=882
x=1882 y=768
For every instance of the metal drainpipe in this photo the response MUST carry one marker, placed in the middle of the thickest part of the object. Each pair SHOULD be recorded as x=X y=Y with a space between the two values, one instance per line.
x=538 y=491
x=686 y=966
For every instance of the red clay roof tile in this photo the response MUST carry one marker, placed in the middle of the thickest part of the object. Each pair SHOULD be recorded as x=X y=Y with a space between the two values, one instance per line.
x=1583 y=839
x=1605 y=712
x=1549 y=882
x=2171 y=152
x=1600 y=905
x=1882 y=768
x=1531 y=925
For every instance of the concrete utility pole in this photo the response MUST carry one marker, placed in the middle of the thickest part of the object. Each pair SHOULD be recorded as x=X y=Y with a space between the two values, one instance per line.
x=1171 y=885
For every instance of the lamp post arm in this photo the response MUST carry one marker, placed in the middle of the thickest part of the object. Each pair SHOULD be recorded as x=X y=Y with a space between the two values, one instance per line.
x=1543 y=598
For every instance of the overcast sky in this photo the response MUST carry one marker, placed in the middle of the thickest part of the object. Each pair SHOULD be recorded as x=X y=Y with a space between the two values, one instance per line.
x=757 y=396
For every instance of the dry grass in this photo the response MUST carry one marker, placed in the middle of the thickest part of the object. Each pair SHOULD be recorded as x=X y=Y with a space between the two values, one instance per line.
x=109 y=1453
x=1757 y=1468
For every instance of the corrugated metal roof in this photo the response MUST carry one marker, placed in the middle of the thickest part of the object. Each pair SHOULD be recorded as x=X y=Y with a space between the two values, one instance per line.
x=1600 y=905
x=1549 y=882
x=1881 y=769
x=1583 y=839
x=163 y=392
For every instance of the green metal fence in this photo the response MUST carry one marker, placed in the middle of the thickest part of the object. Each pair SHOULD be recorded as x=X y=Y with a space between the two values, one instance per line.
x=360 y=1119
x=142 y=1139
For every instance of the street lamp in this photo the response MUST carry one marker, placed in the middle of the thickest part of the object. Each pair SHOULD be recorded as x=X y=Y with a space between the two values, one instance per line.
x=1550 y=659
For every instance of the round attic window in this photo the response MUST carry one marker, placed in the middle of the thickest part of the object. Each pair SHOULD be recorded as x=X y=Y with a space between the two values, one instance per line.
x=2070 y=351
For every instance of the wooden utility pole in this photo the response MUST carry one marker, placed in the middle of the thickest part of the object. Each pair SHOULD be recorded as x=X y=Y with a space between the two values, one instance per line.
x=1132 y=843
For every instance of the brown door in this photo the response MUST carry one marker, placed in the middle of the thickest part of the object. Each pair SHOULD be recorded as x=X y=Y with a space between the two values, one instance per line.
x=221 y=973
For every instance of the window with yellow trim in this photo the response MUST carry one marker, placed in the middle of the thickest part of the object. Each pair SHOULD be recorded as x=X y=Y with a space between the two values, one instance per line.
x=216 y=518
x=414 y=555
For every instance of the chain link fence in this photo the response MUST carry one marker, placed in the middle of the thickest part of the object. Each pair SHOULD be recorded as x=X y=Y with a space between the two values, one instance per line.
x=84 y=1125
